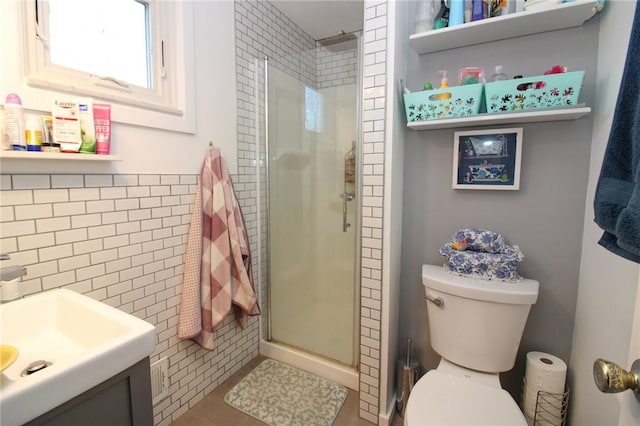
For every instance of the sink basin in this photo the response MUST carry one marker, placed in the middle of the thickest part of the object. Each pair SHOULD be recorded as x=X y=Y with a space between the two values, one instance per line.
x=82 y=342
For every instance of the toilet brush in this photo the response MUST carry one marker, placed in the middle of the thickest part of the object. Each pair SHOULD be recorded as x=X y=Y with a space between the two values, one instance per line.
x=407 y=378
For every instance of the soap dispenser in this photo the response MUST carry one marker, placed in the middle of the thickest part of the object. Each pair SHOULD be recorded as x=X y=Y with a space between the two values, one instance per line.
x=444 y=83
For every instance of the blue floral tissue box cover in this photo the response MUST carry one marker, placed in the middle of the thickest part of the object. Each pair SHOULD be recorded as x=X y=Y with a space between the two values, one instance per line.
x=483 y=254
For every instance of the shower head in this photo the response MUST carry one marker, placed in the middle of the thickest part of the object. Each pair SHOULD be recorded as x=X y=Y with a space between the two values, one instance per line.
x=332 y=41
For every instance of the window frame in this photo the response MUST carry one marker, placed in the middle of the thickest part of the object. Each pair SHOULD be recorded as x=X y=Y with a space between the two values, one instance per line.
x=169 y=105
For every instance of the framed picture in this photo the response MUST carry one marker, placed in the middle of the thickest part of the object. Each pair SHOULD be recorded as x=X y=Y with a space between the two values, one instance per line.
x=487 y=159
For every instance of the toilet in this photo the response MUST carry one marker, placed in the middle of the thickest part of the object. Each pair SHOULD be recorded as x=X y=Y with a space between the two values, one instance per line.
x=475 y=326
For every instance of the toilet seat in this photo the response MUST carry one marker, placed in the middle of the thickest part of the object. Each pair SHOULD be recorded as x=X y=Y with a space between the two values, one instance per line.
x=443 y=399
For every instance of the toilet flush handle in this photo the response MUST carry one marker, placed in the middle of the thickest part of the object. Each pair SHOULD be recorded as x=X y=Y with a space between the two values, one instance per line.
x=438 y=301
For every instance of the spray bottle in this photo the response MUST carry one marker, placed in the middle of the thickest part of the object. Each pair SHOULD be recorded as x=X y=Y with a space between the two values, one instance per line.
x=14 y=123
x=444 y=83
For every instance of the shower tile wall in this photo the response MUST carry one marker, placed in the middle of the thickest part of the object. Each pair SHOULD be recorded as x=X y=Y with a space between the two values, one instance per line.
x=120 y=239
x=336 y=68
x=373 y=126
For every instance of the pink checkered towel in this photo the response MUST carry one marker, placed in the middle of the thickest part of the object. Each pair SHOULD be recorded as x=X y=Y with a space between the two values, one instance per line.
x=218 y=274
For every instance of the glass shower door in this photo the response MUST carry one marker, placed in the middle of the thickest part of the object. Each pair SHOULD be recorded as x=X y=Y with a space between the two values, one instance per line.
x=312 y=216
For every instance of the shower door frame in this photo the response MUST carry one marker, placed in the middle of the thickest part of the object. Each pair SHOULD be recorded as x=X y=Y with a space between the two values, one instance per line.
x=357 y=199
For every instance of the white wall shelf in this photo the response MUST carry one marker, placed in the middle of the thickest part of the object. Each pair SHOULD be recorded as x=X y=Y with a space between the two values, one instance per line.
x=502 y=118
x=26 y=155
x=565 y=15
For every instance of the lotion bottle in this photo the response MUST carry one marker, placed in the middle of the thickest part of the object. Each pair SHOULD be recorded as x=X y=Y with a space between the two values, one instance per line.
x=33 y=132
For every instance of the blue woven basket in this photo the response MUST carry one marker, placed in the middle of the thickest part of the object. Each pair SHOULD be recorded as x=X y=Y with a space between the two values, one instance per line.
x=428 y=105
x=545 y=91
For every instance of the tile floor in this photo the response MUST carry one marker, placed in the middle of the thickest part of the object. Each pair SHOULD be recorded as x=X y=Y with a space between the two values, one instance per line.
x=213 y=411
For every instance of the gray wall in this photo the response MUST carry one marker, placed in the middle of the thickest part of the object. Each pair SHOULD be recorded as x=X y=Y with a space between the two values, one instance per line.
x=545 y=217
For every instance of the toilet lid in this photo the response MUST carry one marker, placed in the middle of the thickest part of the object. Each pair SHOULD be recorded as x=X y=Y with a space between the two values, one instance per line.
x=443 y=399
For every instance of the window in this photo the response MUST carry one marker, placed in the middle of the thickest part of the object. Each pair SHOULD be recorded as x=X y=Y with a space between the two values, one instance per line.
x=314 y=109
x=135 y=54
x=108 y=39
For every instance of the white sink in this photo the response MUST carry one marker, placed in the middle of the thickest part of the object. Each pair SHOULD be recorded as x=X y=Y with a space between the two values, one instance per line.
x=85 y=341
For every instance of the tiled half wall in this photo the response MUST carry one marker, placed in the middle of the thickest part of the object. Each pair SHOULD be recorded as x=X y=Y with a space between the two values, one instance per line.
x=120 y=239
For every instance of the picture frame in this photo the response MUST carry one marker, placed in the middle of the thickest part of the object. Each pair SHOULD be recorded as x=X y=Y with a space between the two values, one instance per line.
x=487 y=159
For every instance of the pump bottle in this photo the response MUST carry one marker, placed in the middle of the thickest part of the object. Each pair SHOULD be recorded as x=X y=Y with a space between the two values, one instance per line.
x=444 y=83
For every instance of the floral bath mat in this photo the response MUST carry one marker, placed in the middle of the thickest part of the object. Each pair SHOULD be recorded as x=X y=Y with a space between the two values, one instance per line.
x=278 y=395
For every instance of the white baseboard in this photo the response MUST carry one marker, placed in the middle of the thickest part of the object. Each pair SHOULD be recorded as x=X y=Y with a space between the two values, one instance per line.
x=386 y=419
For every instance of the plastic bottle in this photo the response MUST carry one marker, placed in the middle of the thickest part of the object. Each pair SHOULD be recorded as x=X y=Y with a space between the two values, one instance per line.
x=468 y=10
x=444 y=83
x=33 y=132
x=425 y=15
x=499 y=75
x=442 y=18
x=477 y=12
x=14 y=123
x=456 y=12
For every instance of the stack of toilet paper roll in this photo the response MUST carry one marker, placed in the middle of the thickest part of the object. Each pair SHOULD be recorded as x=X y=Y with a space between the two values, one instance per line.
x=546 y=373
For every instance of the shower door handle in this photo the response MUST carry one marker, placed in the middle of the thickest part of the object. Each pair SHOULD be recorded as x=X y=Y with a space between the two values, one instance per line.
x=346 y=197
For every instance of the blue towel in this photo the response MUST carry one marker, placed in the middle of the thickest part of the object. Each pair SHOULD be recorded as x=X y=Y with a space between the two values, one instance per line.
x=617 y=200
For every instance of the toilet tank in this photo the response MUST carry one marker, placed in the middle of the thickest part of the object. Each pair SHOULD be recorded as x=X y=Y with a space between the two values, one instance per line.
x=479 y=323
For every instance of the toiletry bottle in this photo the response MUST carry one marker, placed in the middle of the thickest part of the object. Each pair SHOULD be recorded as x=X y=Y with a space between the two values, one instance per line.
x=33 y=132
x=425 y=15
x=477 y=10
x=468 y=10
x=428 y=86
x=14 y=123
x=499 y=75
x=444 y=83
x=102 y=120
x=442 y=18
x=456 y=12
x=4 y=143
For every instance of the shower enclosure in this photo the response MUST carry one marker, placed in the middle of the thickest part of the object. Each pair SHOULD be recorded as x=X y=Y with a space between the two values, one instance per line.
x=312 y=147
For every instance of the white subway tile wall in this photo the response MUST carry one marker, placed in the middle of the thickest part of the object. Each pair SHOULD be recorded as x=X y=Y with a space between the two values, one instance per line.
x=93 y=234
x=374 y=82
x=336 y=68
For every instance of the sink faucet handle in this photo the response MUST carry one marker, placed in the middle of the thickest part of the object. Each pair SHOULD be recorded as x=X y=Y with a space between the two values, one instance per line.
x=4 y=256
